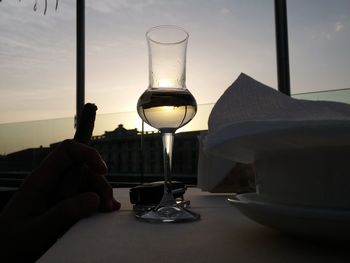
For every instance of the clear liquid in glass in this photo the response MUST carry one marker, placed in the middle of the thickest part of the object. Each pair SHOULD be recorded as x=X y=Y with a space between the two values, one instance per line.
x=167 y=109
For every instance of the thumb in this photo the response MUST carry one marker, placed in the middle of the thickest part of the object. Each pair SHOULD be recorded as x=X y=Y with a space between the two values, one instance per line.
x=57 y=220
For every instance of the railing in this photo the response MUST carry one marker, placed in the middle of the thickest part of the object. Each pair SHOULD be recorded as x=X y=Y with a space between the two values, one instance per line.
x=15 y=179
x=339 y=95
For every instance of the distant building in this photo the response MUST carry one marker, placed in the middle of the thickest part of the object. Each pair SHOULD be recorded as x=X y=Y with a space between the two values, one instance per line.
x=126 y=159
x=24 y=160
x=121 y=149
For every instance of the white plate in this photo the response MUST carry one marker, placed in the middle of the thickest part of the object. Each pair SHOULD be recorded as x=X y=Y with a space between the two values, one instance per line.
x=316 y=222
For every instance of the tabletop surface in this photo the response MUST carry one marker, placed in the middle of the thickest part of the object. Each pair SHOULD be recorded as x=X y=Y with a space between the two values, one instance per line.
x=222 y=234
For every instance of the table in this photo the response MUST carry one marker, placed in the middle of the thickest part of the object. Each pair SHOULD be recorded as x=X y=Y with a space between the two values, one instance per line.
x=222 y=235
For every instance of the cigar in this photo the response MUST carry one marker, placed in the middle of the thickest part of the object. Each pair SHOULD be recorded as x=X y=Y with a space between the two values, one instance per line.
x=86 y=124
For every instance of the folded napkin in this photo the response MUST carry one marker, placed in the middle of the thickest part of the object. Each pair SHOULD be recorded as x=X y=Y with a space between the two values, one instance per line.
x=251 y=119
x=212 y=170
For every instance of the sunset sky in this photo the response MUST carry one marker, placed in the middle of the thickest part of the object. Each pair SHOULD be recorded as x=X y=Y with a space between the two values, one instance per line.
x=37 y=52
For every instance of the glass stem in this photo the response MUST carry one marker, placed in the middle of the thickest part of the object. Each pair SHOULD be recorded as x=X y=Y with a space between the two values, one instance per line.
x=168 y=141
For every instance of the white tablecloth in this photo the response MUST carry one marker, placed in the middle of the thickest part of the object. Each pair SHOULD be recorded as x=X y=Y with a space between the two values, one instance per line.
x=222 y=235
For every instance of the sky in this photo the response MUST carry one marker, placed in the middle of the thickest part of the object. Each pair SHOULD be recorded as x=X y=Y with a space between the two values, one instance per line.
x=227 y=37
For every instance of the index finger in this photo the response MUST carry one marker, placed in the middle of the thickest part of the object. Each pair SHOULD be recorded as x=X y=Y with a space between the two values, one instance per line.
x=67 y=155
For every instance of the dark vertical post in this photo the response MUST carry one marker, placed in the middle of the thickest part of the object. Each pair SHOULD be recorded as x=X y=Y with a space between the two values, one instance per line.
x=281 y=25
x=80 y=79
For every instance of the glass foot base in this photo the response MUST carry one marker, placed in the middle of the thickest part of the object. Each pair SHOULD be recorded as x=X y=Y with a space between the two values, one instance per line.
x=168 y=214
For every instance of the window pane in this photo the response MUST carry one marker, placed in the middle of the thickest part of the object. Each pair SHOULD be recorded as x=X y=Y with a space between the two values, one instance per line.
x=37 y=61
x=319 y=36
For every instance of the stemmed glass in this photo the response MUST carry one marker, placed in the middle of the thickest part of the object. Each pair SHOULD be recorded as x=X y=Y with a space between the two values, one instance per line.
x=167 y=105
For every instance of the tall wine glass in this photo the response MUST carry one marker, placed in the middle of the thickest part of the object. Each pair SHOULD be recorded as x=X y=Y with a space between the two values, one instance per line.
x=167 y=105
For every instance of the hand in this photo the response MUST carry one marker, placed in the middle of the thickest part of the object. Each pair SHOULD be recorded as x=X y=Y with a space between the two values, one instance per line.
x=44 y=208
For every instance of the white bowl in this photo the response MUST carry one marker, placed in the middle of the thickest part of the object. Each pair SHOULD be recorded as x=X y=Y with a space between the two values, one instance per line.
x=317 y=177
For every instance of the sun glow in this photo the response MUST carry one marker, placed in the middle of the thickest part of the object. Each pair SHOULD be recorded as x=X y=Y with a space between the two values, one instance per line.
x=166 y=83
x=167 y=108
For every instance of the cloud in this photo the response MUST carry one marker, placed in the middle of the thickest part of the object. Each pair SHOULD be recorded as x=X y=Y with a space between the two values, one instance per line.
x=332 y=30
x=224 y=11
x=339 y=26
x=109 y=6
